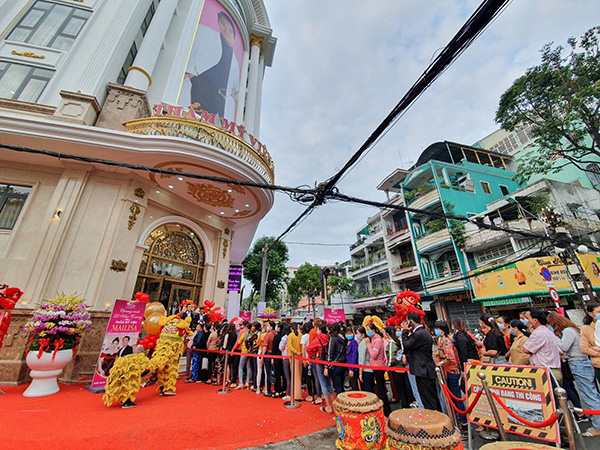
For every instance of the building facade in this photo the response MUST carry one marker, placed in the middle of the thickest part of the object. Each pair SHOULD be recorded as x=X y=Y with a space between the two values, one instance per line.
x=125 y=128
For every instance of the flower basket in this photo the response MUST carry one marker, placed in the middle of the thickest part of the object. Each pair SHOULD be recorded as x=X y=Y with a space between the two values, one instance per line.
x=267 y=314
x=56 y=327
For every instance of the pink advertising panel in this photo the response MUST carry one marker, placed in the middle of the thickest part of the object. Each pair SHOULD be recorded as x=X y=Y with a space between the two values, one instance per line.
x=212 y=76
x=334 y=315
x=120 y=339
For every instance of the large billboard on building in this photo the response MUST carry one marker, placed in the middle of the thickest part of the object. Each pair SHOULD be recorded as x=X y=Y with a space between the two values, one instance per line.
x=212 y=75
x=520 y=278
x=591 y=266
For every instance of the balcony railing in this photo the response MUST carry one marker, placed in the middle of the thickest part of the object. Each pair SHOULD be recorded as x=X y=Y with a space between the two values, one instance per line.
x=428 y=240
x=207 y=134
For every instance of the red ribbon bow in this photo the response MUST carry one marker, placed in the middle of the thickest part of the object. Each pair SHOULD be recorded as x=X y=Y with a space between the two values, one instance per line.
x=58 y=344
x=44 y=344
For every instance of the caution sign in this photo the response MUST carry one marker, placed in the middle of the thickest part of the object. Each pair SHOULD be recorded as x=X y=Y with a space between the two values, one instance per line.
x=526 y=391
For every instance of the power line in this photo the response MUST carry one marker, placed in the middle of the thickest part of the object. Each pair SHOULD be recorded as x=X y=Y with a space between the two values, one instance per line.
x=317 y=243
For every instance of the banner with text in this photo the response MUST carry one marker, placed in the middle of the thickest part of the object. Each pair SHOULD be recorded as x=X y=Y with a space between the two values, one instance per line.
x=526 y=391
x=334 y=315
x=121 y=336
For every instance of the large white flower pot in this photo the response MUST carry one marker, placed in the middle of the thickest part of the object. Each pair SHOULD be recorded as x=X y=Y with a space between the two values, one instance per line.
x=44 y=372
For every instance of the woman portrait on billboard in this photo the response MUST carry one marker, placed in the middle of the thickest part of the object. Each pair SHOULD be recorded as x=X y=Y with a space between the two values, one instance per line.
x=212 y=75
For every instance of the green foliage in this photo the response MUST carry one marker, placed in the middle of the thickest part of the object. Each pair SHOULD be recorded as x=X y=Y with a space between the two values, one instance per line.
x=435 y=225
x=341 y=285
x=409 y=196
x=536 y=203
x=277 y=273
x=306 y=282
x=560 y=98
x=457 y=231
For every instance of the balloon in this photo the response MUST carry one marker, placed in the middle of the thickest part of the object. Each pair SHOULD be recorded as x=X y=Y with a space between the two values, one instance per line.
x=208 y=304
x=154 y=308
x=141 y=297
x=236 y=320
x=218 y=314
x=151 y=325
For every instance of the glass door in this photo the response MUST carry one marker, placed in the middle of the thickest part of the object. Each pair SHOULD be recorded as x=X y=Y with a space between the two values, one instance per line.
x=179 y=293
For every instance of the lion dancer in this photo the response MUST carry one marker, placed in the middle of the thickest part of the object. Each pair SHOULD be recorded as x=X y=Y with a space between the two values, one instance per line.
x=9 y=296
x=406 y=302
x=126 y=376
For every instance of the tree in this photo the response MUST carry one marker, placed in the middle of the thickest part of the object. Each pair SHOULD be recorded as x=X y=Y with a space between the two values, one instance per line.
x=306 y=282
x=560 y=99
x=277 y=272
x=341 y=285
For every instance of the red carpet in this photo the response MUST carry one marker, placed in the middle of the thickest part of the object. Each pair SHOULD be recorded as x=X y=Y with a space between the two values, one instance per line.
x=197 y=418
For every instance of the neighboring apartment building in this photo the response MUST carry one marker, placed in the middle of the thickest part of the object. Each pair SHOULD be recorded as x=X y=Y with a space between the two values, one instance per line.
x=170 y=85
x=448 y=178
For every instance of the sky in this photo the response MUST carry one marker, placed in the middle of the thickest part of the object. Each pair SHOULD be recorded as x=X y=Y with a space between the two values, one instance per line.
x=340 y=66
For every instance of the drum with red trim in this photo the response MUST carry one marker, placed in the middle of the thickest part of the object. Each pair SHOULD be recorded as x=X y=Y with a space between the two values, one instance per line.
x=515 y=445
x=359 y=421
x=421 y=429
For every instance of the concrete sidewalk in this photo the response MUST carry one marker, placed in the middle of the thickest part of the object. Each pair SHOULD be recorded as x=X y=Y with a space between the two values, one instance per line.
x=325 y=440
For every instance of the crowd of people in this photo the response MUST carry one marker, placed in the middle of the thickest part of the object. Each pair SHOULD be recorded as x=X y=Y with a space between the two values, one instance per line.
x=537 y=338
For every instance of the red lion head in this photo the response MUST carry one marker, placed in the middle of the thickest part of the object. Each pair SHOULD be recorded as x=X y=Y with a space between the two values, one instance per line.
x=409 y=298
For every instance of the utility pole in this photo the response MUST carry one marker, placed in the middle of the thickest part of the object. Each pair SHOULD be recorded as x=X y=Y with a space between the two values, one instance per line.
x=263 y=271
x=568 y=256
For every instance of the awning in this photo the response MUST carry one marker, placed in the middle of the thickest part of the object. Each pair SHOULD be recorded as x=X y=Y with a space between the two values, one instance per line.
x=520 y=295
x=371 y=303
x=507 y=301
x=427 y=305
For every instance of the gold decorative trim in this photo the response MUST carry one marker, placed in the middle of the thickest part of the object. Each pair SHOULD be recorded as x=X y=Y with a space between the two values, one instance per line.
x=225 y=246
x=205 y=133
x=256 y=40
x=221 y=284
x=139 y=69
x=118 y=265
x=28 y=54
x=139 y=192
x=135 y=210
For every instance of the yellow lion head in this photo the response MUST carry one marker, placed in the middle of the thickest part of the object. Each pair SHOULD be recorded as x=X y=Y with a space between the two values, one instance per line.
x=174 y=327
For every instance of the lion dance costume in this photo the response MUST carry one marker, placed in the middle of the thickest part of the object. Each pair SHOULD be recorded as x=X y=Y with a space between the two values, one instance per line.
x=405 y=303
x=125 y=377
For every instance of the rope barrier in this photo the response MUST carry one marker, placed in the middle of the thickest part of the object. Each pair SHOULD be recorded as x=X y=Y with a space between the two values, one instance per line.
x=587 y=412
x=469 y=408
x=315 y=361
x=543 y=424
x=454 y=397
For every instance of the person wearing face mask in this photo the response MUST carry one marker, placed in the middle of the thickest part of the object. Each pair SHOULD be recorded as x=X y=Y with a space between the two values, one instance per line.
x=448 y=360
x=494 y=348
x=503 y=323
x=352 y=357
x=418 y=347
x=393 y=352
x=516 y=355
x=543 y=346
x=588 y=340
x=365 y=376
x=579 y=364
x=376 y=349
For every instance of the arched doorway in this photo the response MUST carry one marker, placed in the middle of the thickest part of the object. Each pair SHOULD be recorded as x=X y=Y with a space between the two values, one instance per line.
x=172 y=268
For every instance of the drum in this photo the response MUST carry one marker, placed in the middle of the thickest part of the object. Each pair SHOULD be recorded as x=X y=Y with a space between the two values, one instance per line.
x=359 y=420
x=421 y=429
x=516 y=445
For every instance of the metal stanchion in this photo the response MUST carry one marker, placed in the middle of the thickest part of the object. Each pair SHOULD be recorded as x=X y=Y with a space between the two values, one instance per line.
x=292 y=404
x=224 y=389
x=449 y=410
x=495 y=413
x=561 y=394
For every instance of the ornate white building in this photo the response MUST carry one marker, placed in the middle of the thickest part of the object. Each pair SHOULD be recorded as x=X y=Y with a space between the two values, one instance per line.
x=94 y=92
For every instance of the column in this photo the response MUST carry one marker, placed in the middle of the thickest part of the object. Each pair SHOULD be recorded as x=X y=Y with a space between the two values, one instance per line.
x=239 y=114
x=140 y=73
x=257 y=108
x=255 y=48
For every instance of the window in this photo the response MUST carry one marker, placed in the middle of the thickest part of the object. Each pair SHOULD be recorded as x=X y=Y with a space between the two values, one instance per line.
x=50 y=25
x=12 y=199
x=21 y=82
x=133 y=50
x=503 y=189
x=495 y=252
x=593 y=173
x=486 y=187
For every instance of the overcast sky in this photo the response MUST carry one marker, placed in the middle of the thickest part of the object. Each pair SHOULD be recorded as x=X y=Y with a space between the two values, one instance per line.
x=340 y=66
